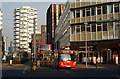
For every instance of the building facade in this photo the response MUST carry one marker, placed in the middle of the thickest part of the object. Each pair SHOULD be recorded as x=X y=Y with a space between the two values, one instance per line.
x=53 y=15
x=43 y=34
x=1 y=30
x=62 y=31
x=4 y=45
x=38 y=40
x=25 y=21
x=98 y=24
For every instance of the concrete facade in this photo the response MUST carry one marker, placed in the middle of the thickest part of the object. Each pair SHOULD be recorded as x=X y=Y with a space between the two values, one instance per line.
x=53 y=14
x=25 y=21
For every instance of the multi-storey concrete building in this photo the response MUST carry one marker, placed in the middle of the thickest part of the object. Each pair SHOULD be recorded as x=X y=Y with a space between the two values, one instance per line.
x=94 y=25
x=62 y=31
x=98 y=24
x=25 y=21
x=0 y=31
x=53 y=15
x=43 y=34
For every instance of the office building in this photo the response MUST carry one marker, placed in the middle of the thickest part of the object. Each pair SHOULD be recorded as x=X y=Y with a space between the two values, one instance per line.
x=43 y=34
x=62 y=31
x=96 y=23
x=53 y=14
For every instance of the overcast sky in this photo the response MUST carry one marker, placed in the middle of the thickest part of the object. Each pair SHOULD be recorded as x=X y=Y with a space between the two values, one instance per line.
x=8 y=14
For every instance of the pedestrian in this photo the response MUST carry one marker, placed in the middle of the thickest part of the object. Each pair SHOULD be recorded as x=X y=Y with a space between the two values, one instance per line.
x=38 y=63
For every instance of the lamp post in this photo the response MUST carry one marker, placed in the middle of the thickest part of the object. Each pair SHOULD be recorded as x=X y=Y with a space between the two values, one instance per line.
x=34 y=64
x=86 y=41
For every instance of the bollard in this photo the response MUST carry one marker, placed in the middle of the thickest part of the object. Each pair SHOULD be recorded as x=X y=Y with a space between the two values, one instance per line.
x=10 y=62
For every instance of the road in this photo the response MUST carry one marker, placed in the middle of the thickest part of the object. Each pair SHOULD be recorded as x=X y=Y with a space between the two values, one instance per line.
x=22 y=70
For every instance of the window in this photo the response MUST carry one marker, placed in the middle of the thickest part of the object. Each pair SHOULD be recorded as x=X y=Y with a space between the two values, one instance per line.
x=110 y=26
x=104 y=26
x=77 y=29
x=77 y=13
x=73 y=14
x=99 y=10
x=99 y=27
x=93 y=11
x=83 y=13
x=117 y=25
x=104 y=9
x=93 y=27
x=88 y=28
x=82 y=28
x=73 y=30
x=116 y=7
x=88 y=12
x=110 y=8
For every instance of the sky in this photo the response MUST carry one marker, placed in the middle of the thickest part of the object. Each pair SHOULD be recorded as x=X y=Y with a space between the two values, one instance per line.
x=8 y=14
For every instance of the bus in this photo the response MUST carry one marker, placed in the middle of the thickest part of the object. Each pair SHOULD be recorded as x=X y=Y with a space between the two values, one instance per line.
x=57 y=58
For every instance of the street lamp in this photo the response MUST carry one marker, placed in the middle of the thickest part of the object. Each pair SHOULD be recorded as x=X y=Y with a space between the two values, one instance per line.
x=86 y=41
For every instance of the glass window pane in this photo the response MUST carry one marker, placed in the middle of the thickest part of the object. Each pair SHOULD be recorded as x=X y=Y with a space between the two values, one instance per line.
x=104 y=8
x=99 y=27
x=99 y=10
x=93 y=27
x=82 y=28
x=110 y=8
x=116 y=7
x=83 y=13
x=77 y=13
x=104 y=26
x=73 y=30
x=88 y=12
x=117 y=25
x=78 y=29
x=93 y=11
x=110 y=26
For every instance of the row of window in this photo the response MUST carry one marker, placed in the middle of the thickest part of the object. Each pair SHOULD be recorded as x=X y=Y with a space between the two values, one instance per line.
x=98 y=10
x=96 y=27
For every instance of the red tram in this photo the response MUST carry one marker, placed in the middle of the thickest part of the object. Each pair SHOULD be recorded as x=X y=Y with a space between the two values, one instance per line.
x=57 y=59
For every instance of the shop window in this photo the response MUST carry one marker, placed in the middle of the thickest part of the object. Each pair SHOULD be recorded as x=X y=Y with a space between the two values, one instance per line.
x=73 y=30
x=110 y=8
x=93 y=11
x=82 y=28
x=93 y=27
x=99 y=27
x=99 y=10
x=77 y=13
x=104 y=26
x=104 y=9
x=77 y=29
x=88 y=12
x=116 y=7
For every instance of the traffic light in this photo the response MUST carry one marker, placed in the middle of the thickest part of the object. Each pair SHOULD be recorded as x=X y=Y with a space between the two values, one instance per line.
x=94 y=47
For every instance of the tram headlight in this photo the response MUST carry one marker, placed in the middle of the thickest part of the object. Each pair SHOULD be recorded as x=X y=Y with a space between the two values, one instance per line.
x=74 y=63
x=61 y=63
